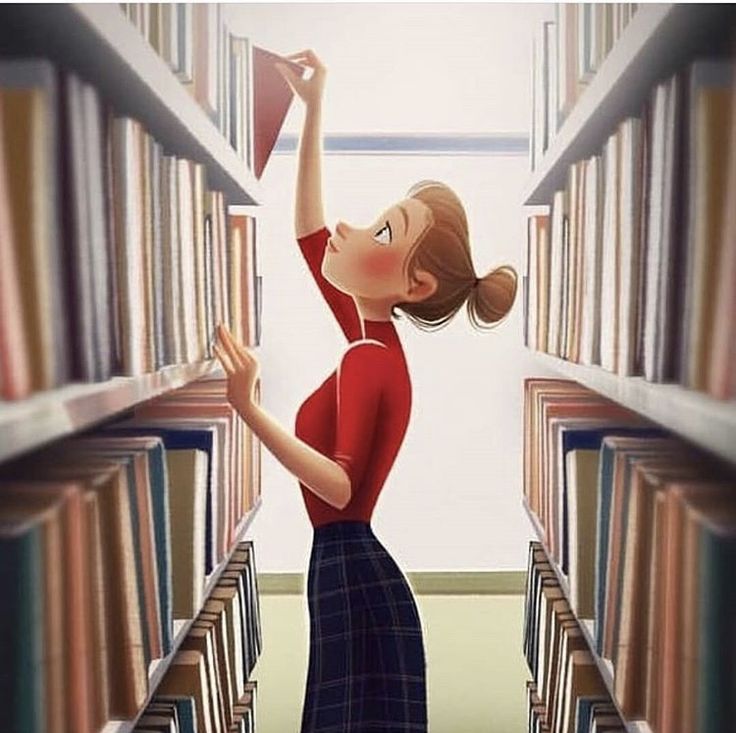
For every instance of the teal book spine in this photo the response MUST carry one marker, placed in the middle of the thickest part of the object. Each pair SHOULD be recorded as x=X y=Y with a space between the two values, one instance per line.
x=22 y=689
x=717 y=631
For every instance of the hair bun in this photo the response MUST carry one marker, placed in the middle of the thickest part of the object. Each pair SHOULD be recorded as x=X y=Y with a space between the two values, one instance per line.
x=492 y=296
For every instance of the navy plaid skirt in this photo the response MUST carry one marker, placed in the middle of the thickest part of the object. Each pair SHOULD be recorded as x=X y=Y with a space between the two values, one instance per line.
x=367 y=670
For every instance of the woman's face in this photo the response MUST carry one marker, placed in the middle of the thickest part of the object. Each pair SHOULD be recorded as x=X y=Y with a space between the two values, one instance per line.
x=371 y=262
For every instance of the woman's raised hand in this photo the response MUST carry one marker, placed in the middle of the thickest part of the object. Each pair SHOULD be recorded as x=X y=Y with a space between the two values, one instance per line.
x=241 y=368
x=310 y=90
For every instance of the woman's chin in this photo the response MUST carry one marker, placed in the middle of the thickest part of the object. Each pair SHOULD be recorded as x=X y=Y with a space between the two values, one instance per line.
x=334 y=279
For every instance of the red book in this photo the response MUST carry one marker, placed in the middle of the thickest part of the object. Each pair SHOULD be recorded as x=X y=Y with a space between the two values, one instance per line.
x=272 y=96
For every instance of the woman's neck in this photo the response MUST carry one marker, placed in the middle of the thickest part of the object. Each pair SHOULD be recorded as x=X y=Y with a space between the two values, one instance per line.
x=372 y=310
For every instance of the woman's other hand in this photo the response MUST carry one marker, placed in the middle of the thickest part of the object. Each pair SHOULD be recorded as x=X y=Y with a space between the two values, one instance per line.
x=310 y=90
x=241 y=367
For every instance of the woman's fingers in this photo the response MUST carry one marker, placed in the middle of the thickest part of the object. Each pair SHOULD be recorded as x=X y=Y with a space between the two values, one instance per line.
x=291 y=78
x=309 y=55
x=228 y=346
x=240 y=350
x=224 y=360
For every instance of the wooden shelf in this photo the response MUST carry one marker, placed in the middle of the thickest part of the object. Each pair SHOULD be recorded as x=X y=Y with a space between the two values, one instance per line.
x=105 y=48
x=50 y=415
x=707 y=422
x=159 y=667
x=586 y=626
x=659 y=39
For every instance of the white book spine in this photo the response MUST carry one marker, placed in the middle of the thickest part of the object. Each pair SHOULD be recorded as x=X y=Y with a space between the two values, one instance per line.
x=609 y=274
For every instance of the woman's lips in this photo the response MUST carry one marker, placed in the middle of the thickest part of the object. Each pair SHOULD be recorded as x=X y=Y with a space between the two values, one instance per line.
x=331 y=245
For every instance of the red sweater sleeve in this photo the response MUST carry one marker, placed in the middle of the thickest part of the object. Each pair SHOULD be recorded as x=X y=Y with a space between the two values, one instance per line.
x=342 y=305
x=360 y=379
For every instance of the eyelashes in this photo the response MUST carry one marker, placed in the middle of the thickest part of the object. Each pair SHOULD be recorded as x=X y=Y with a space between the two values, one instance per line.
x=384 y=234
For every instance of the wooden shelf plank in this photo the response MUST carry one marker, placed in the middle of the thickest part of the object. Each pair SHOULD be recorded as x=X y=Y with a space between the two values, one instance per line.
x=159 y=667
x=586 y=626
x=658 y=40
x=707 y=422
x=105 y=48
x=50 y=415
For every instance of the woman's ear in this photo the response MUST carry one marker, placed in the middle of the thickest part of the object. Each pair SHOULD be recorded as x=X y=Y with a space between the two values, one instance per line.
x=423 y=285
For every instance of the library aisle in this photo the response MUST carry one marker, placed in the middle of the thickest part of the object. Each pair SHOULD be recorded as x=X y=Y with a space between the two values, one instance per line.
x=562 y=501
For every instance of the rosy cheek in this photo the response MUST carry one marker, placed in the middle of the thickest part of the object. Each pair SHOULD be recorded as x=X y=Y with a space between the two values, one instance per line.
x=381 y=263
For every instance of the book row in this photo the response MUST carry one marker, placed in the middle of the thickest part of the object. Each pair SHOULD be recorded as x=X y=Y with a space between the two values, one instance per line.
x=215 y=661
x=567 y=53
x=105 y=541
x=177 y=714
x=115 y=258
x=643 y=526
x=634 y=269
x=567 y=693
x=212 y=63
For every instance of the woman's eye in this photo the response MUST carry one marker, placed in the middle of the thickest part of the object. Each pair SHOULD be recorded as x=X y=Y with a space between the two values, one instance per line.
x=383 y=235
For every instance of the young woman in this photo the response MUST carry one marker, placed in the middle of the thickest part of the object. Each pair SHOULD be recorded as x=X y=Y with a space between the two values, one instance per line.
x=366 y=655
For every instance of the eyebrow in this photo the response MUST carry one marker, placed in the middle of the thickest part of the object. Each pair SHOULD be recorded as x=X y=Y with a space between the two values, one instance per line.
x=406 y=218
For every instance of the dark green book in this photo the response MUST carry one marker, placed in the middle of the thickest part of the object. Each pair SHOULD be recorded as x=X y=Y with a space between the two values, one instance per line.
x=22 y=689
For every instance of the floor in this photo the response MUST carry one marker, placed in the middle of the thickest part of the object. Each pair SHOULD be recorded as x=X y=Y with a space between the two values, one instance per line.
x=475 y=669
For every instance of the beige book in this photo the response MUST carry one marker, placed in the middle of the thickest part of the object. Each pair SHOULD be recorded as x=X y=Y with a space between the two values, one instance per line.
x=97 y=611
x=129 y=242
x=630 y=201
x=198 y=189
x=582 y=496
x=610 y=272
x=236 y=294
x=235 y=635
x=711 y=91
x=216 y=609
x=188 y=311
x=592 y=235
x=15 y=368
x=187 y=675
x=582 y=680
x=25 y=118
x=146 y=151
x=187 y=470
x=201 y=640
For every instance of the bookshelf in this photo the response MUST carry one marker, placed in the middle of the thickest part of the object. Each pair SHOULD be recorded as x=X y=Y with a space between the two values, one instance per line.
x=103 y=46
x=701 y=419
x=160 y=666
x=586 y=626
x=50 y=415
x=658 y=41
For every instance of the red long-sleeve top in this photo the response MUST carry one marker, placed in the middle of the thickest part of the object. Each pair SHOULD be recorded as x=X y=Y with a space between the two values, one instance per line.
x=358 y=416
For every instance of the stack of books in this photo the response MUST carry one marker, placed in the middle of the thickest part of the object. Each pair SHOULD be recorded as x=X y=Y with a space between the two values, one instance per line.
x=106 y=540
x=217 y=447
x=567 y=53
x=209 y=676
x=642 y=528
x=634 y=269
x=116 y=258
x=567 y=693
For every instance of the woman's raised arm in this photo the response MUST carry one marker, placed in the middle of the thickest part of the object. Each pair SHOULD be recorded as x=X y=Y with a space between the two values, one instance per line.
x=309 y=214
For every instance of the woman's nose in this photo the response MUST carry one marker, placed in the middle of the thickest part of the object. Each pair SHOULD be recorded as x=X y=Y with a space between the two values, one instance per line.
x=342 y=229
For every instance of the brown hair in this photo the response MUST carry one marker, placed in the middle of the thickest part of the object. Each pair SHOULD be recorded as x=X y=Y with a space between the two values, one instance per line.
x=444 y=251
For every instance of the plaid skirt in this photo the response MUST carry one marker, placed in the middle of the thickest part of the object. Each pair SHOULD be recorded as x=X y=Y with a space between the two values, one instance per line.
x=367 y=670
